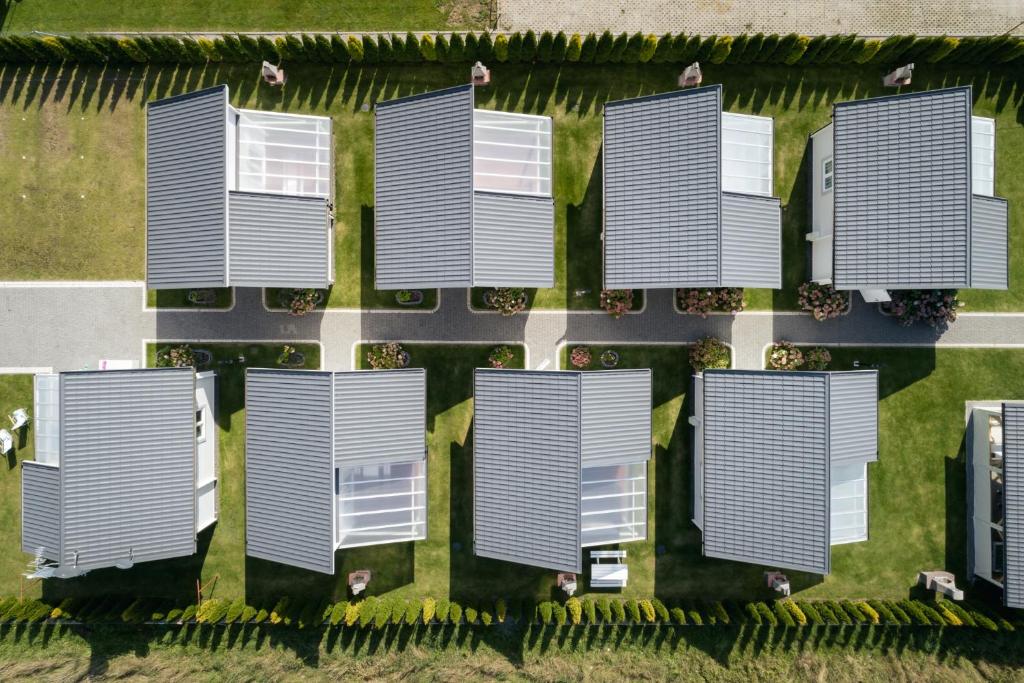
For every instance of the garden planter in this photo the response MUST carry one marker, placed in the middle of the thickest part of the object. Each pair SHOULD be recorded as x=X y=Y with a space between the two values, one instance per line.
x=415 y=299
x=202 y=297
x=489 y=301
x=284 y=298
x=295 y=360
x=404 y=359
x=609 y=359
x=203 y=357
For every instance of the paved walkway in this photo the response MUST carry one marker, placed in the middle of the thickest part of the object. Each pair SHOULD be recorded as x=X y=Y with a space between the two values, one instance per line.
x=865 y=17
x=71 y=327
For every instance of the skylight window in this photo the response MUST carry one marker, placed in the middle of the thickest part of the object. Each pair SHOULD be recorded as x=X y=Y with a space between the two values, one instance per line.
x=747 y=154
x=284 y=154
x=983 y=155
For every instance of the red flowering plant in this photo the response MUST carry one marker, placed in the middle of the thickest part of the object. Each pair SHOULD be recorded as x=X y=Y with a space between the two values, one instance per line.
x=823 y=301
x=580 y=357
x=507 y=300
x=936 y=307
x=617 y=301
x=704 y=300
x=785 y=355
x=181 y=356
x=387 y=356
x=709 y=354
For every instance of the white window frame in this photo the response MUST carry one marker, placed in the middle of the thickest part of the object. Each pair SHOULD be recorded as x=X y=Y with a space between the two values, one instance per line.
x=201 y=425
x=828 y=176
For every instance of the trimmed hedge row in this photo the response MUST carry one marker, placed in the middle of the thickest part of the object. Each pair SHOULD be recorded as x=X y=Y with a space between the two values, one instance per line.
x=376 y=612
x=548 y=48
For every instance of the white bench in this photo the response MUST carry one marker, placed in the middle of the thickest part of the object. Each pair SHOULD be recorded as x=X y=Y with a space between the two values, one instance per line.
x=611 y=574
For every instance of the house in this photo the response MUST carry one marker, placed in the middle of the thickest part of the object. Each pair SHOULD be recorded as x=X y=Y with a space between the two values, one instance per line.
x=125 y=468
x=236 y=197
x=902 y=196
x=780 y=464
x=462 y=195
x=688 y=194
x=333 y=460
x=559 y=463
x=995 y=499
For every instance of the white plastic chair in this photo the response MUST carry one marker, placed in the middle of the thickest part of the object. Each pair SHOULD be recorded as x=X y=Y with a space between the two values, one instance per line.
x=6 y=442
x=19 y=418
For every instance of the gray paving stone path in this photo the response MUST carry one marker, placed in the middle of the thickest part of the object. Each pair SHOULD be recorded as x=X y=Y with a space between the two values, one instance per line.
x=865 y=17
x=73 y=326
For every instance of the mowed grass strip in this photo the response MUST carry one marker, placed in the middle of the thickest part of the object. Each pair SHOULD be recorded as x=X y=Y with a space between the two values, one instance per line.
x=81 y=132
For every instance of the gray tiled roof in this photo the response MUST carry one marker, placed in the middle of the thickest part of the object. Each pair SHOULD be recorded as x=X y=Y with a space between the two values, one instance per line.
x=903 y=191
x=765 y=452
x=533 y=431
x=1013 y=506
x=125 y=484
x=424 y=190
x=186 y=190
x=662 y=189
x=279 y=241
x=513 y=240
x=667 y=222
x=989 y=243
x=300 y=425
x=751 y=241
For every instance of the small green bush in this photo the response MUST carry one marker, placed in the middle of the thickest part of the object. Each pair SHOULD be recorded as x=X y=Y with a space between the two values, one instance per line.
x=590 y=610
x=559 y=46
x=367 y=611
x=618 y=611
x=574 y=51
x=456 y=49
x=767 y=616
x=768 y=49
x=500 y=610
x=561 y=615
x=428 y=610
x=234 y=610
x=678 y=616
x=545 y=46
x=515 y=48
x=471 y=615
x=248 y=614
x=485 y=48
x=693 y=615
x=413 y=611
x=386 y=53
x=856 y=615
x=174 y=615
x=723 y=46
x=811 y=613
x=619 y=45
x=455 y=613
x=662 y=612
x=753 y=613
x=485 y=618
x=784 y=616
x=528 y=49
x=814 y=47
x=470 y=48
x=545 y=611
x=371 y=55
x=647 y=611
x=631 y=53
x=427 y=49
x=355 y=50
x=501 y=48
x=739 y=44
x=603 y=51
x=752 y=49
x=633 y=610
x=443 y=610
x=575 y=609
x=604 y=606
x=353 y=613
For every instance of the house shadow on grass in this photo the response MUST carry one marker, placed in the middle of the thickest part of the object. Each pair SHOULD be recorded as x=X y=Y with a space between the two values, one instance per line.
x=174 y=578
x=585 y=265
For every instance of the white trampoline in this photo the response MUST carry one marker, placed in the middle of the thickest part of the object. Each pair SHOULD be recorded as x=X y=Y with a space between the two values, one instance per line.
x=283 y=153
x=849 y=503
x=614 y=504
x=511 y=153
x=381 y=503
x=747 y=154
x=983 y=155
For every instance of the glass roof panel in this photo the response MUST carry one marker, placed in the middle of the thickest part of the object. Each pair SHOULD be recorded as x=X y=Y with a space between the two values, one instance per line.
x=284 y=153
x=381 y=504
x=983 y=155
x=614 y=504
x=511 y=153
x=849 y=500
x=747 y=154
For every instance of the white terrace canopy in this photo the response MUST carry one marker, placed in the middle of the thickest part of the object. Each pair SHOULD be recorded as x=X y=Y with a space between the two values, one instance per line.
x=381 y=503
x=284 y=154
x=511 y=153
x=747 y=153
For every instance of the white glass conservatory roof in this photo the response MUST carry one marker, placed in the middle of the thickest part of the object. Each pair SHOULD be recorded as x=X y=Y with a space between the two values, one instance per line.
x=46 y=419
x=849 y=503
x=747 y=154
x=983 y=155
x=381 y=503
x=284 y=153
x=614 y=508
x=511 y=153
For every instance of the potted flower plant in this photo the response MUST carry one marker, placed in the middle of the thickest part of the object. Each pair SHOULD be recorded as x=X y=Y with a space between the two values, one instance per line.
x=617 y=301
x=609 y=358
x=389 y=356
x=290 y=358
x=506 y=300
x=409 y=297
x=580 y=357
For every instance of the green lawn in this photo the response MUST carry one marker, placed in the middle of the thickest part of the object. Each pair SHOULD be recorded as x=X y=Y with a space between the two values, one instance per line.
x=236 y=15
x=15 y=392
x=845 y=655
x=178 y=298
x=60 y=235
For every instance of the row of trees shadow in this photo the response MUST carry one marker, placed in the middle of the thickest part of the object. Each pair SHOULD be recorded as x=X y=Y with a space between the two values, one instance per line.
x=729 y=646
x=579 y=89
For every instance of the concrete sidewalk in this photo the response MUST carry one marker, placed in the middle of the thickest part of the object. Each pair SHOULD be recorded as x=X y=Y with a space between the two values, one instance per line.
x=870 y=18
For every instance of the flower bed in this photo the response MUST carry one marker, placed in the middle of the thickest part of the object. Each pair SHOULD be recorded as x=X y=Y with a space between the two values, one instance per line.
x=506 y=300
x=709 y=354
x=389 y=356
x=785 y=355
x=301 y=301
x=181 y=356
x=500 y=357
x=617 y=301
x=935 y=307
x=705 y=300
x=581 y=357
x=823 y=301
